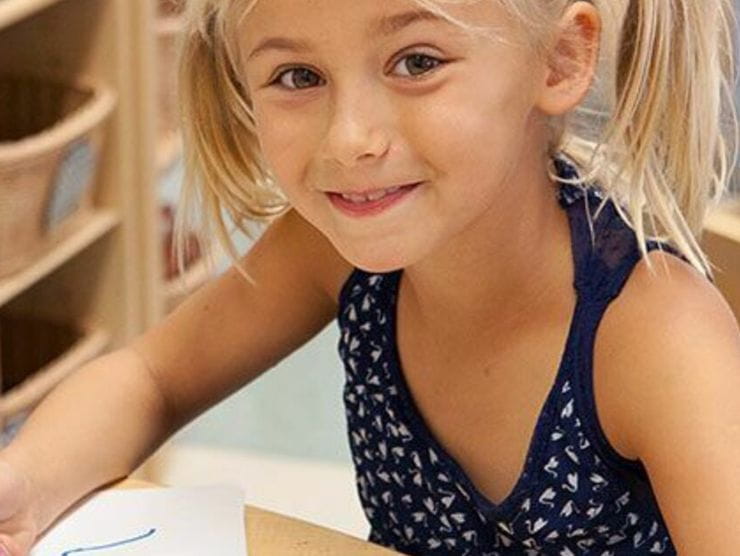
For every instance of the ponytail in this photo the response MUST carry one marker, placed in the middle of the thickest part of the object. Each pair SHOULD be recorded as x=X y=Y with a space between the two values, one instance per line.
x=666 y=151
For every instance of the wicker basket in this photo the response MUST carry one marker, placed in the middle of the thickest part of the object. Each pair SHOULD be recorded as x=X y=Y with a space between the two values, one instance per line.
x=35 y=355
x=51 y=136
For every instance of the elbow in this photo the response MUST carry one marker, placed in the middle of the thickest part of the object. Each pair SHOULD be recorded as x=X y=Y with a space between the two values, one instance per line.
x=156 y=395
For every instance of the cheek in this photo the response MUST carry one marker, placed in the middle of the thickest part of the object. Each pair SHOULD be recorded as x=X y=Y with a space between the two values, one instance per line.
x=475 y=131
x=283 y=143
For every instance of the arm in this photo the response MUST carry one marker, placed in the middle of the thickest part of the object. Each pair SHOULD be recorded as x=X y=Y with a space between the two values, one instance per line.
x=103 y=421
x=679 y=411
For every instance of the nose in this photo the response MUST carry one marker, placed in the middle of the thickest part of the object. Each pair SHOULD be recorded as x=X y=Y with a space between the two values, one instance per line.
x=358 y=130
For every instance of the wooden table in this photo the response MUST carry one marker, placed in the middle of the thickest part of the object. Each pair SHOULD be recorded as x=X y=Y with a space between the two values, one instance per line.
x=269 y=533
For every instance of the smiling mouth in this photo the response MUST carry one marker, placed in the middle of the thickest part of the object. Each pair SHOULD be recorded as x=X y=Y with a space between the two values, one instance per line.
x=373 y=202
x=373 y=195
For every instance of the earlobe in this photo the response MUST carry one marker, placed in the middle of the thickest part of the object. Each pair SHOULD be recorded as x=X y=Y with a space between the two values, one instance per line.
x=572 y=60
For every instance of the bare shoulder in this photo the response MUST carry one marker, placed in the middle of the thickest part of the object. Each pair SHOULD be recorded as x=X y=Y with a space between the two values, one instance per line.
x=667 y=378
x=325 y=264
x=665 y=327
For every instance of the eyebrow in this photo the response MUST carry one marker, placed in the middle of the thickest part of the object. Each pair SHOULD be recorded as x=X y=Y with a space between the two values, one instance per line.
x=384 y=26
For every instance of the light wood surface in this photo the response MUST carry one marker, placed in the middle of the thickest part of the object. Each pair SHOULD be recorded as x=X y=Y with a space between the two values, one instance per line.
x=725 y=220
x=722 y=243
x=12 y=11
x=269 y=534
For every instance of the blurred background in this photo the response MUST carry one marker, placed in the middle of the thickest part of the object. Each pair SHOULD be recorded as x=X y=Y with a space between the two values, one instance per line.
x=90 y=172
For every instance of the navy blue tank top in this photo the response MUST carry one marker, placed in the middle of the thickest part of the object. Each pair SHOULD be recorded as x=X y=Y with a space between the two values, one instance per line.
x=576 y=493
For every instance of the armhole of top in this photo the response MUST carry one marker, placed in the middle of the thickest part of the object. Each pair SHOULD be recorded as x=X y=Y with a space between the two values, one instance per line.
x=596 y=309
x=594 y=312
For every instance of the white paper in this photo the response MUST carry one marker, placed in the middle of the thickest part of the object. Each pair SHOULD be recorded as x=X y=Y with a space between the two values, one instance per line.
x=178 y=521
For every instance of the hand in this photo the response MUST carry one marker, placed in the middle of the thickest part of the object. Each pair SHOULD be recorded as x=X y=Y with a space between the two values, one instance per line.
x=18 y=523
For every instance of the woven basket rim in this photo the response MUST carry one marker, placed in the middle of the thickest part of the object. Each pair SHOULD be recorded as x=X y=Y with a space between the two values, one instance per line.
x=67 y=129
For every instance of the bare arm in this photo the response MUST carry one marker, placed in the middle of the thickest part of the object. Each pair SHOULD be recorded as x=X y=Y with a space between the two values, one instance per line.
x=103 y=421
x=678 y=406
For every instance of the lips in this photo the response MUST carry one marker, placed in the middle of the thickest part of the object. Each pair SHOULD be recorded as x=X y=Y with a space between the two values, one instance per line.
x=373 y=195
x=371 y=202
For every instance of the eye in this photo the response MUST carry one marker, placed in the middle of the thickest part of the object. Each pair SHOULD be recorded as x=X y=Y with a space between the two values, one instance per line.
x=296 y=78
x=417 y=64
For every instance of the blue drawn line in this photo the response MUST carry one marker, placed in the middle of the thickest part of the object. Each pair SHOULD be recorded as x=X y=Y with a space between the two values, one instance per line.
x=111 y=545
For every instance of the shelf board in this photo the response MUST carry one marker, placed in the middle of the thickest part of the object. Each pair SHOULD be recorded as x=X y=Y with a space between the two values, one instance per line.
x=95 y=226
x=12 y=11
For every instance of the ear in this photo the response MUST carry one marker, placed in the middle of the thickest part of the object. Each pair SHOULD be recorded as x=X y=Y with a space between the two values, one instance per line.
x=572 y=59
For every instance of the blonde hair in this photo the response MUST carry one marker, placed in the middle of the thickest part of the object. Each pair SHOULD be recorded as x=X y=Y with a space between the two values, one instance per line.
x=664 y=91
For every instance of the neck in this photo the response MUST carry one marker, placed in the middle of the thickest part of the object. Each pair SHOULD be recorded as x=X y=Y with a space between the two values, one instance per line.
x=510 y=268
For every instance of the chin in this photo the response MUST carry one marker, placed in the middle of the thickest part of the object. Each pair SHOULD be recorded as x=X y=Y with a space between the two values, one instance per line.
x=376 y=262
x=377 y=268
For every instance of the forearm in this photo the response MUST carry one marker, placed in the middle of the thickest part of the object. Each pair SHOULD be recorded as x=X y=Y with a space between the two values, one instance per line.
x=97 y=426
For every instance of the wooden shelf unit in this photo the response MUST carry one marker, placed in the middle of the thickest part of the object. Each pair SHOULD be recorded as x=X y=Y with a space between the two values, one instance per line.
x=107 y=271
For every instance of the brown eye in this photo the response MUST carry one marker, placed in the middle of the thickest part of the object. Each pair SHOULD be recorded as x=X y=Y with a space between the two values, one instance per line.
x=418 y=64
x=297 y=78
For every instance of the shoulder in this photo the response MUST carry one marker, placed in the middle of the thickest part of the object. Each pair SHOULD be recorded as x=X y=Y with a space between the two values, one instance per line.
x=667 y=325
x=667 y=375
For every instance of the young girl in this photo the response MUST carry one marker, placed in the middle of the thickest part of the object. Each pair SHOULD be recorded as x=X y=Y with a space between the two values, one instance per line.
x=537 y=359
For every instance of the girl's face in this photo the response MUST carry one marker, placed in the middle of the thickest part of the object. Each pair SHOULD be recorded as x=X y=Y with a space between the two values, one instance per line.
x=359 y=95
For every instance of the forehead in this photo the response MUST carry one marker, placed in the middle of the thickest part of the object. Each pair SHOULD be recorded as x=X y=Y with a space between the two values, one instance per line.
x=316 y=20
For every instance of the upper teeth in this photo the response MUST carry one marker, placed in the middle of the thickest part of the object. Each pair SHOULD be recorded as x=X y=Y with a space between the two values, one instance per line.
x=370 y=196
